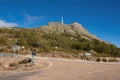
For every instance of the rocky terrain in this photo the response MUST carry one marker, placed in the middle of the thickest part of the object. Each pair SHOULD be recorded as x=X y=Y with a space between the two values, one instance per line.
x=75 y=29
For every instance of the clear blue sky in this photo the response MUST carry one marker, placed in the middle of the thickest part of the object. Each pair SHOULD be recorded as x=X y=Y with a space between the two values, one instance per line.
x=99 y=17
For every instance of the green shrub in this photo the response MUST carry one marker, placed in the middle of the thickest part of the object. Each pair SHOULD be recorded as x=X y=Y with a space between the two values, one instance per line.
x=104 y=59
x=25 y=61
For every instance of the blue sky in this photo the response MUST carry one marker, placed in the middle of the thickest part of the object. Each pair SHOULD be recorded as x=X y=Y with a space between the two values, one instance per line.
x=99 y=17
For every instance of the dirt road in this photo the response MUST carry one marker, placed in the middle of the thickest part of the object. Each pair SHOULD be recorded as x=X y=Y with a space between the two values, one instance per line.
x=61 y=69
x=79 y=70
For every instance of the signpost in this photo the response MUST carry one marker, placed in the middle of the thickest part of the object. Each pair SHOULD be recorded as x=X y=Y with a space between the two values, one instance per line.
x=15 y=48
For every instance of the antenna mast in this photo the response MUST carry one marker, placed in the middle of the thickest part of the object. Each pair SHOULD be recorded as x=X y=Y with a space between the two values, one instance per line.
x=62 y=21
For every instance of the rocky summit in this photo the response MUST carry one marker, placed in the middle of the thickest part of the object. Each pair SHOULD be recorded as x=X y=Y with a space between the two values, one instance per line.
x=75 y=29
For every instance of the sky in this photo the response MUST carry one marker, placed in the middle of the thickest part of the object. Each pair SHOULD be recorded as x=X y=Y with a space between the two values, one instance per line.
x=99 y=17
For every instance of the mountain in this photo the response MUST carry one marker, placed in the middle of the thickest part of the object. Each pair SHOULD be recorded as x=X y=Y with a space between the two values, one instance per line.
x=65 y=39
x=75 y=29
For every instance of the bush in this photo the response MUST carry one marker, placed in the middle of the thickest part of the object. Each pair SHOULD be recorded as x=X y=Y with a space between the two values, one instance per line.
x=98 y=59
x=25 y=61
x=104 y=59
x=13 y=64
x=110 y=60
x=115 y=60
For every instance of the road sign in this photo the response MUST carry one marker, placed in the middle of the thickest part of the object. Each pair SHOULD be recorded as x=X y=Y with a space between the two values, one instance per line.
x=15 y=48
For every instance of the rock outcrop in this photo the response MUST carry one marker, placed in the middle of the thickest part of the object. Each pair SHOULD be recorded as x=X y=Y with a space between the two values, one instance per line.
x=75 y=29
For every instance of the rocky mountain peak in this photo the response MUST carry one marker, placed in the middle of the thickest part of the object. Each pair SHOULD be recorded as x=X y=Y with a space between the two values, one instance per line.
x=79 y=28
x=72 y=29
x=56 y=24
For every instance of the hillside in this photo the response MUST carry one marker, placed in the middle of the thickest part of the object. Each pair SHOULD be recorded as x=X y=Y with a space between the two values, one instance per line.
x=56 y=39
x=75 y=29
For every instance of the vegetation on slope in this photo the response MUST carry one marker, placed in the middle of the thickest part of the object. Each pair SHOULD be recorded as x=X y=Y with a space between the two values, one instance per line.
x=45 y=42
